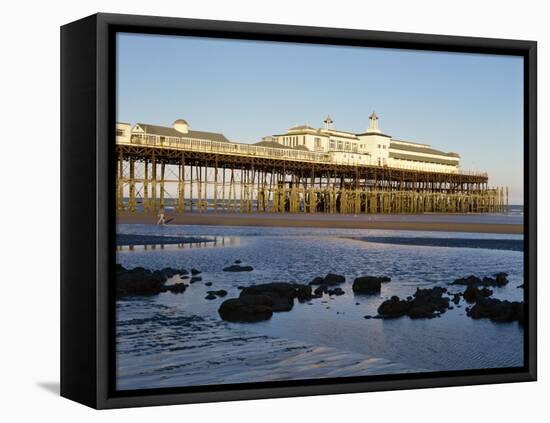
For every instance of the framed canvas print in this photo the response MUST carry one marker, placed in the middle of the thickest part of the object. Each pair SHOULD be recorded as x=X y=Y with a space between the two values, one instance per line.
x=255 y=211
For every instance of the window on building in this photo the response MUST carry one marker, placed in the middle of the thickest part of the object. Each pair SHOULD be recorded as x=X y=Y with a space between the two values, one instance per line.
x=347 y=145
x=332 y=145
x=120 y=132
x=317 y=142
x=340 y=145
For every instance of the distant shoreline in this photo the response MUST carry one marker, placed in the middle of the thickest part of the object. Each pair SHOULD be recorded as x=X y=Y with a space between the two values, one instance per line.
x=390 y=222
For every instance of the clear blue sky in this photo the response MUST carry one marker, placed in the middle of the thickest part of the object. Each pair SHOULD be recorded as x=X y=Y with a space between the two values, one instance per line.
x=468 y=103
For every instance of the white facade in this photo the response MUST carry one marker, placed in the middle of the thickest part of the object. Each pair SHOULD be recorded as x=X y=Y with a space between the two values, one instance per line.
x=303 y=142
x=369 y=148
x=123 y=133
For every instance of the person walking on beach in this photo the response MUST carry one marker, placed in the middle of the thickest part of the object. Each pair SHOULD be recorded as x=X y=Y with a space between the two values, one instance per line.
x=161 y=217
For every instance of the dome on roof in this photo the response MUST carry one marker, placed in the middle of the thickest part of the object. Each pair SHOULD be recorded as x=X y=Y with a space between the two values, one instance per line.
x=181 y=125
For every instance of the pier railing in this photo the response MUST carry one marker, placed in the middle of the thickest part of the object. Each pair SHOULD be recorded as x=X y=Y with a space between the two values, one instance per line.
x=231 y=148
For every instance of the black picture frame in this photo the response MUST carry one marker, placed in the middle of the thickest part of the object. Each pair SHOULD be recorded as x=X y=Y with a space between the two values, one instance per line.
x=88 y=214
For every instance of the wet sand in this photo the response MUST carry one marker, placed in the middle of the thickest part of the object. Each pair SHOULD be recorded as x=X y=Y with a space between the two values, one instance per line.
x=491 y=244
x=427 y=222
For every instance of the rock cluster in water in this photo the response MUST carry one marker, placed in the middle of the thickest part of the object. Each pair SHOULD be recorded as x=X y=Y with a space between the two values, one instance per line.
x=259 y=302
x=141 y=281
x=499 y=279
x=212 y=295
x=236 y=267
x=327 y=285
x=497 y=310
x=369 y=284
x=425 y=303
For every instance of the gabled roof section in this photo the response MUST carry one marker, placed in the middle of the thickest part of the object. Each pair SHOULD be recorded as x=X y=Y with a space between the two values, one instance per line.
x=422 y=159
x=165 y=131
x=426 y=150
x=301 y=127
x=273 y=144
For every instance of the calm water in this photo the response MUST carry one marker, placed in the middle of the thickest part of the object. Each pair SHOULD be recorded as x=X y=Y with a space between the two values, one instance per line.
x=178 y=340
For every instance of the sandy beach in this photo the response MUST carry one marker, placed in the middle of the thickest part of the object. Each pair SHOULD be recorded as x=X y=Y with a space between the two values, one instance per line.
x=426 y=222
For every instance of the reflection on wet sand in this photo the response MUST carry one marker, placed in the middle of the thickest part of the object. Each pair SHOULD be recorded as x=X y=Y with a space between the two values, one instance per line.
x=210 y=242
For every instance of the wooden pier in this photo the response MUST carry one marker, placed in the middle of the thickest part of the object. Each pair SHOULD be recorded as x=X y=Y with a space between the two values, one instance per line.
x=198 y=176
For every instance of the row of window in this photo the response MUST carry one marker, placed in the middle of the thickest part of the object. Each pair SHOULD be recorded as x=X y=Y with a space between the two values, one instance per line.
x=293 y=141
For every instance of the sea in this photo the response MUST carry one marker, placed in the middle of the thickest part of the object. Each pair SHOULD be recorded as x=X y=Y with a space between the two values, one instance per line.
x=179 y=340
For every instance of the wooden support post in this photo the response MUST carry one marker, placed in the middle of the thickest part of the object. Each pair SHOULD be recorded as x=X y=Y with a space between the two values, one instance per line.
x=120 y=182
x=181 y=185
x=154 y=183
x=145 y=186
x=191 y=179
x=216 y=186
x=132 y=193
x=162 y=170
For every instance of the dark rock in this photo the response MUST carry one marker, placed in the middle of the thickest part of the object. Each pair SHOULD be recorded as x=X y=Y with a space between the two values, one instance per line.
x=259 y=302
x=498 y=280
x=177 y=288
x=238 y=268
x=357 y=303
x=368 y=284
x=334 y=279
x=218 y=293
x=472 y=293
x=367 y=317
x=320 y=290
x=281 y=294
x=139 y=281
x=210 y=297
x=195 y=271
x=394 y=307
x=251 y=308
x=303 y=293
x=456 y=298
x=208 y=283
x=195 y=279
x=501 y=278
x=426 y=303
x=336 y=291
x=170 y=272
x=520 y=286
x=469 y=280
x=497 y=310
x=238 y=262
x=317 y=281
x=119 y=268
